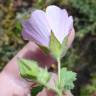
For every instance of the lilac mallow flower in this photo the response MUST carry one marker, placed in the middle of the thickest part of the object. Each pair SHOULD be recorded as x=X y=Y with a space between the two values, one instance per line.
x=39 y=26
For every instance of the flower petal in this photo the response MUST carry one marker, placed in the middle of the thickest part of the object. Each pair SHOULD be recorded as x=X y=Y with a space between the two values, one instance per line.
x=58 y=19
x=37 y=28
x=69 y=25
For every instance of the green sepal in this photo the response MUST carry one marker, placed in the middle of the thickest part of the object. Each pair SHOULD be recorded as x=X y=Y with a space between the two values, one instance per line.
x=28 y=68
x=45 y=49
x=55 y=46
x=66 y=79
x=64 y=47
x=58 y=49
x=36 y=90
x=43 y=76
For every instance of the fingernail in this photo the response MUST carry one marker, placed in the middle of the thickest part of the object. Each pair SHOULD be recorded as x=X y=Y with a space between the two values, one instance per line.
x=29 y=94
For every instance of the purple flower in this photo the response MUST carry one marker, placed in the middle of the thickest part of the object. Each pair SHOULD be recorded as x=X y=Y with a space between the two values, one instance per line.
x=39 y=26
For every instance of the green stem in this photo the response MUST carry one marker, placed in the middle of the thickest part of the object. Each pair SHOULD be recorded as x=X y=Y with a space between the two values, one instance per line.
x=59 y=92
x=59 y=67
x=51 y=88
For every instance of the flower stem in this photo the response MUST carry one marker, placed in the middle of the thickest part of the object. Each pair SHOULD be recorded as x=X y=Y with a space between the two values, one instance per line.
x=59 y=93
x=59 y=67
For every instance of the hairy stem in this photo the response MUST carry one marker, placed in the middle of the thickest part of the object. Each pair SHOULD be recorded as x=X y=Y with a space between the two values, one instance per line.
x=59 y=67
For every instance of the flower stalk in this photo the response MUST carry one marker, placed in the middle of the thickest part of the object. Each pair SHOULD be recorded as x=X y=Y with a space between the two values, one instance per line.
x=59 y=77
x=59 y=67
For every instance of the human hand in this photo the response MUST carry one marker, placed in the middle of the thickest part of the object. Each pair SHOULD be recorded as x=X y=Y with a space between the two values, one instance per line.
x=11 y=84
x=12 y=87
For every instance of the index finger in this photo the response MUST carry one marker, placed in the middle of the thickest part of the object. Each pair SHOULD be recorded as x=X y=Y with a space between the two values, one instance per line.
x=30 y=51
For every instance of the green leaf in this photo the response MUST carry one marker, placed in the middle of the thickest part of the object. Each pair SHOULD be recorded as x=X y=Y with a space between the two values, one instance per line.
x=43 y=76
x=66 y=79
x=55 y=46
x=36 y=90
x=28 y=68
x=18 y=26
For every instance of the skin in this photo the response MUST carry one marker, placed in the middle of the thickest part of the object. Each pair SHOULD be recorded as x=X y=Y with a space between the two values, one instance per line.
x=11 y=84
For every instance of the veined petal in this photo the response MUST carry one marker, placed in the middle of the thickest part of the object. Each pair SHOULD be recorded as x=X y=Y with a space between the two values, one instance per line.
x=57 y=19
x=28 y=35
x=37 y=27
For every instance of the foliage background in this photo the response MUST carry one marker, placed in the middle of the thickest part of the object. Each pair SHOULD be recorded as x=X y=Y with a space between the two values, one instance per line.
x=82 y=55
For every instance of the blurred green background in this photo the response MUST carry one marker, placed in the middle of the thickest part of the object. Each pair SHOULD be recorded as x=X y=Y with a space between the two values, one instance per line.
x=82 y=55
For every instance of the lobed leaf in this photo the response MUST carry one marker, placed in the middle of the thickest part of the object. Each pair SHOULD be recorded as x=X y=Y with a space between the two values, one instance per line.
x=66 y=79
